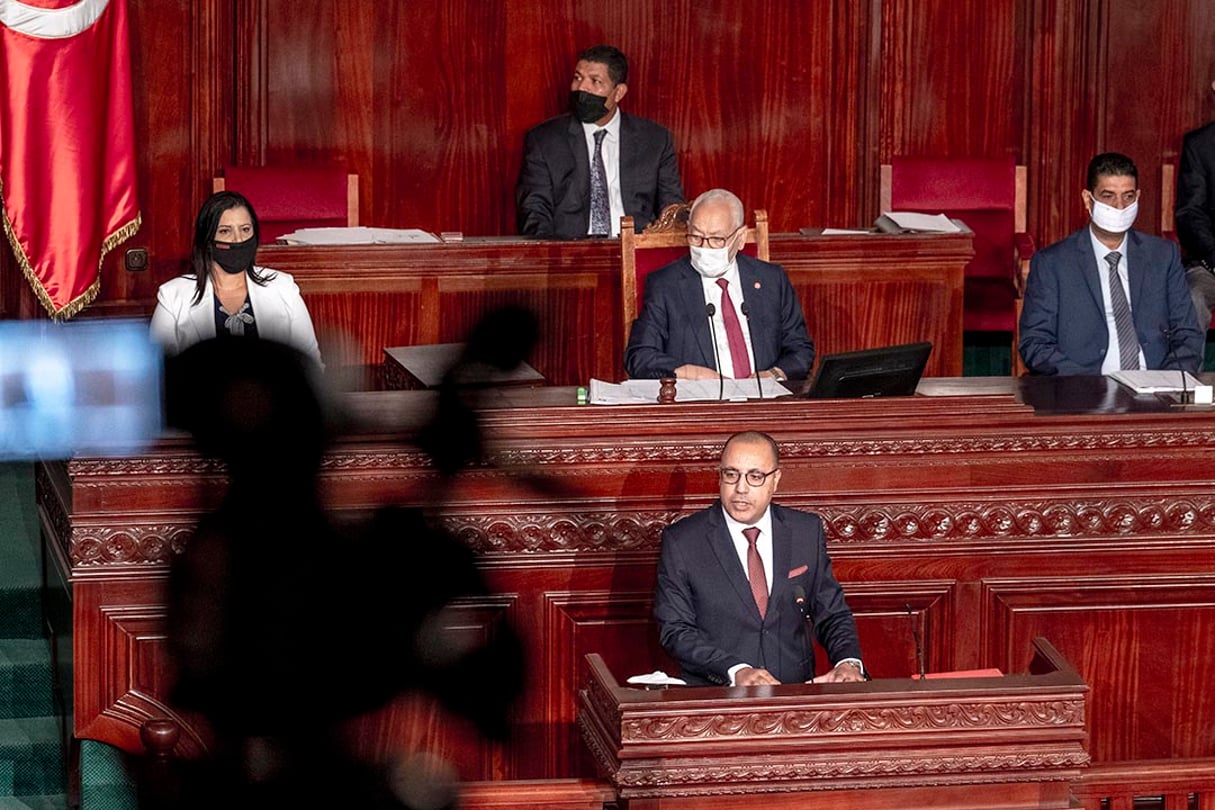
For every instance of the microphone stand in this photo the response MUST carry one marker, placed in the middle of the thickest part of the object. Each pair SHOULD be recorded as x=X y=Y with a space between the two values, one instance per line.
x=915 y=635
x=711 y=311
x=1169 y=354
x=746 y=311
x=799 y=599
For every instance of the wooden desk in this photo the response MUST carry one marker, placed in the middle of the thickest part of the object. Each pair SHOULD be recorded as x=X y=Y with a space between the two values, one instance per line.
x=886 y=744
x=993 y=524
x=408 y=368
x=858 y=292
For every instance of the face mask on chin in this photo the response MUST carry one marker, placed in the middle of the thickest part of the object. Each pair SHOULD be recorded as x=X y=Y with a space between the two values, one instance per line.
x=587 y=107
x=234 y=257
x=1114 y=220
x=710 y=262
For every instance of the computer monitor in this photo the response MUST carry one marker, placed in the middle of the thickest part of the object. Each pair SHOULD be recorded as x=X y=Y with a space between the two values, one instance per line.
x=890 y=371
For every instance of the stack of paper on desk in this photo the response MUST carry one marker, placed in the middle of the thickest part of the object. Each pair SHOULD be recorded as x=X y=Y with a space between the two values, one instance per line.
x=1164 y=382
x=358 y=236
x=645 y=392
x=923 y=223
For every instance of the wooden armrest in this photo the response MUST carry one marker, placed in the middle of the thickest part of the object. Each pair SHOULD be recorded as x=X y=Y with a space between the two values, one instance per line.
x=1023 y=249
x=1024 y=245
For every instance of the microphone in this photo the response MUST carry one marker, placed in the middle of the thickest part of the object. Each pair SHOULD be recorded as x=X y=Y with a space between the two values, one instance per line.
x=799 y=599
x=1168 y=340
x=746 y=311
x=711 y=311
x=915 y=634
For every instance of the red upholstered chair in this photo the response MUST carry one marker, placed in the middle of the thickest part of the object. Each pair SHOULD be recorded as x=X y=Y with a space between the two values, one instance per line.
x=287 y=198
x=663 y=241
x=989 y=195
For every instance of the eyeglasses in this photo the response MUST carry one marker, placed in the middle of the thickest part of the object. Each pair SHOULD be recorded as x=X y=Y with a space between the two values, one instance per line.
x=755 y=478
x=699 y=240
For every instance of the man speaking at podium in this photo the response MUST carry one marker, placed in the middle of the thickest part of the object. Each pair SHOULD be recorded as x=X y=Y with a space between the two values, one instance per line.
x=734 y=580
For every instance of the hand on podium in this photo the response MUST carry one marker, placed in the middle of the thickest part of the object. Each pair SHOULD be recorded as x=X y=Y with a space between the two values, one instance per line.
x=689 y=371
x=844 y=672
x=751 y=676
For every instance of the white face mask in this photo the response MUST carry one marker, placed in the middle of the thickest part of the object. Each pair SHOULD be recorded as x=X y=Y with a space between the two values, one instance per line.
x=1114 y=220
x=710 y=262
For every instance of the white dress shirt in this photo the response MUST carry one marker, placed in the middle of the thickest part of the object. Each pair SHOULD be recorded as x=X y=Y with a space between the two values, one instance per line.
x=611 y=164
x=1113 y=355
x=725 y=360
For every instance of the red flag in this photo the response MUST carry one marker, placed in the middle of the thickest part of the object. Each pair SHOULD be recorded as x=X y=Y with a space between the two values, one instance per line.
x=67 y=143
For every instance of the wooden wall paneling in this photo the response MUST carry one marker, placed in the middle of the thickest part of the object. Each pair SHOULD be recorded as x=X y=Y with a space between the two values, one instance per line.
x=1117 y=631
x=564 y=305
x=853 y=120
x=386 y=318
x=1064 y=107
x=1159 y=67
x=618 y=622
x=950 y=82
x=889 y=613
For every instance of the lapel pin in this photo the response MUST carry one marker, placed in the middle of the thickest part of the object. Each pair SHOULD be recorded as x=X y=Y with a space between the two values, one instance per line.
x=758 y=285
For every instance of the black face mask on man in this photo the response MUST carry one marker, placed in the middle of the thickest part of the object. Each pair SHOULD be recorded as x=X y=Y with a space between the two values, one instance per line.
x=587 y=107
x=234 y=257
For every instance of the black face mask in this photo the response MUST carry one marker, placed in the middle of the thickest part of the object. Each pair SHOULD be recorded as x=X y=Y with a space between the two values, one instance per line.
x=587 y=107
x=234 y=257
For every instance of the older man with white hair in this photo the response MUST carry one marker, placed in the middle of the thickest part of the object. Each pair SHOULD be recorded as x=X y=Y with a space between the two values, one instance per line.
x=718 y=309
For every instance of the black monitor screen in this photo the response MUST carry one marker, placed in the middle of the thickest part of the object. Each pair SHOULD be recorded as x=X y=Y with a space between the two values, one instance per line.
x=890 y=371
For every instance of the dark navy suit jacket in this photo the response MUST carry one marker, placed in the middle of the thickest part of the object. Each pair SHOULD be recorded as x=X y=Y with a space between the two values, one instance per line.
x=1195 y=211
x=1063 y=328
x=707 y=618
x=553 y=196
x=672 y=328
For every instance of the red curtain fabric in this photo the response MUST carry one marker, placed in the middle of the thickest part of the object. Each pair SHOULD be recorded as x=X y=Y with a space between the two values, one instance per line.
x=67 y=143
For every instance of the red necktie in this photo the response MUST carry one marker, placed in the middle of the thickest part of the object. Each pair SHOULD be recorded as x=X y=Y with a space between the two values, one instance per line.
x=755 y=570
x=736 y=342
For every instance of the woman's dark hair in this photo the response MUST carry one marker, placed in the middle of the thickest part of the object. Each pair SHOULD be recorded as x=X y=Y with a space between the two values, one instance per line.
x=204 y=235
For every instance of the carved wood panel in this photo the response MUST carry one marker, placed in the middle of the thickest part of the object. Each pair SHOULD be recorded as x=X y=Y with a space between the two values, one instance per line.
x=1134 y=639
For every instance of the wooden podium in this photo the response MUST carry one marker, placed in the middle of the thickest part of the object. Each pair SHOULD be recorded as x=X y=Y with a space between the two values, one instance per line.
x=1016 y=741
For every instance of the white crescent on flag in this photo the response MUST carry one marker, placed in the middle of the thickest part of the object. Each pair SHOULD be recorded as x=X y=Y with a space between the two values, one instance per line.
x=51 y=23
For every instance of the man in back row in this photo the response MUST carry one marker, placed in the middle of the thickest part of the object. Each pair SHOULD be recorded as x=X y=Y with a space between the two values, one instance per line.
x=718 y=308
x=584 y=170
x=1108 y=298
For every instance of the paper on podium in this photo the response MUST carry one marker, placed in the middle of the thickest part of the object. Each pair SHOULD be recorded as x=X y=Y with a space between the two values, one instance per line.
x=924 y=223
x=656 y=678
x=359 y=236
x=645 y=392
x=1164 y=382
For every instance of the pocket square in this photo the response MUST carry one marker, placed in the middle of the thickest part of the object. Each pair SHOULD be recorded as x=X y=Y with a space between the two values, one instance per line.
x=797 y=572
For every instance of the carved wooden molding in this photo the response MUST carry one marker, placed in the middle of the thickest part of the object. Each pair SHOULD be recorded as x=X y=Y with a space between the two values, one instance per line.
x=958 y=716
x=772 y=775
x=128 y=545
x=986 y=520
x=416 y=462
x=617 y=532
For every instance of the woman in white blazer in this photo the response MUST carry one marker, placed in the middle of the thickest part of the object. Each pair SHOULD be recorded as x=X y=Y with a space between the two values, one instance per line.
x=227 y=294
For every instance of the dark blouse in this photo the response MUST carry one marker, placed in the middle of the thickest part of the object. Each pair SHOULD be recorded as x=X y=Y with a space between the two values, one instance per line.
x=240 y=324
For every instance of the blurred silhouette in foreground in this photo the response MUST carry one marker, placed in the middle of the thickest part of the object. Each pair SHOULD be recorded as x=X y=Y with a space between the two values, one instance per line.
x=283 y=623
